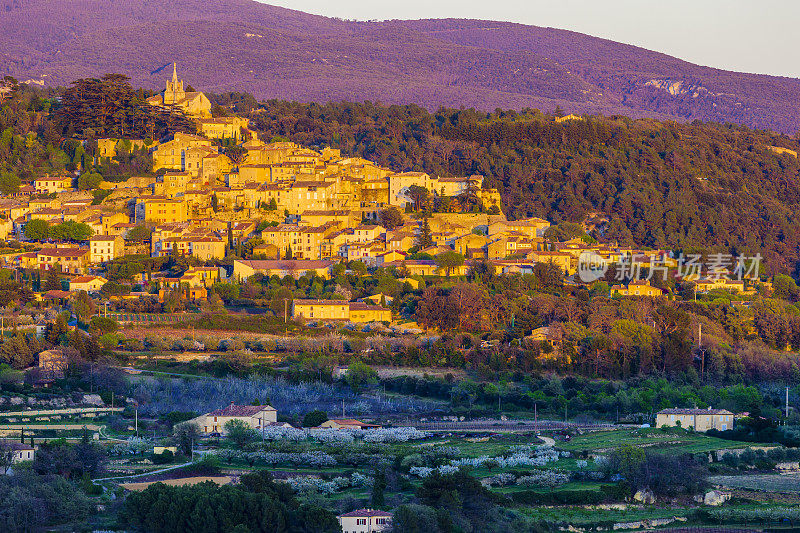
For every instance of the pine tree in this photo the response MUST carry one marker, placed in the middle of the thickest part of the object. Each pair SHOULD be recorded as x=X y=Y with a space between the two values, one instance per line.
x=53 y=282
x=378 y=487
x=424 y=238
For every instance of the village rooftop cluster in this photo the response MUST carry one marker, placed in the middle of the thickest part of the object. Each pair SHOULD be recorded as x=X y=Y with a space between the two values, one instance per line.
x=308 y=209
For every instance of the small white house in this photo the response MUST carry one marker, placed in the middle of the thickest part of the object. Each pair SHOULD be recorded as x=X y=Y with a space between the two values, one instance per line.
x=17 y=451
x=365 y=521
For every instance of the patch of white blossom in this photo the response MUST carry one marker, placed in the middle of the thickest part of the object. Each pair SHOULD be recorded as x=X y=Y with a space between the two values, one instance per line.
x=132 y=446
x=342 y=436
x=312 y=485
x=520 y=456
x=315 y=459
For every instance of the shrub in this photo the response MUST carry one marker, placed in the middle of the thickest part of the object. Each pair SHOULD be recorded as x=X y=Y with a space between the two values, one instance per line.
x=240 y=432
x=162 y=458
x=99 y=325
x=314 y=418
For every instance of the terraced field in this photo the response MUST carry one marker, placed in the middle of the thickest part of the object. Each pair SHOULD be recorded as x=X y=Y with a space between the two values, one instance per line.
x=765 y=482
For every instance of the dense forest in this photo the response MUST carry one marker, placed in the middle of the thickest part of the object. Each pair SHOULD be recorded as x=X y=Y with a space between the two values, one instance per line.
x=662 y=184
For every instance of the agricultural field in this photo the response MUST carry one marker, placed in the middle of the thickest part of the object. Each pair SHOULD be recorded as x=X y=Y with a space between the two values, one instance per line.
x=760 y=482
x=675 y=441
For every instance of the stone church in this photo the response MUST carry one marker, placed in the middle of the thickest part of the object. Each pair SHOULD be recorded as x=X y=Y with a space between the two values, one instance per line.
x=193 y=104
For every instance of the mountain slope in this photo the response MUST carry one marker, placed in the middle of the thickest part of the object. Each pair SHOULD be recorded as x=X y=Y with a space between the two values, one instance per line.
x=280 y=53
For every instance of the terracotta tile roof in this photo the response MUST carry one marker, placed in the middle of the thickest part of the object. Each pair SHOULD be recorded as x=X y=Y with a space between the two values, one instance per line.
x=287 y=264
x=352 y=422
x=55 y=294
x=15 y=445
x=360 y=306
x=240 y=410
x=63 y=252
x=679 y=411
x=85 y=279
x=366 y=513
x=301 y=301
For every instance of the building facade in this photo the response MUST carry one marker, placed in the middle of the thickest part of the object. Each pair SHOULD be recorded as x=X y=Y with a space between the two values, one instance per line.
x=697 y=419
x=365 y=521
x=255 y=416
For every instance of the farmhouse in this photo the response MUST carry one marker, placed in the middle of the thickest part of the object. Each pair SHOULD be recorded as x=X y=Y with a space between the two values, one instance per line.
x=363 y=312
x=321 y=309
x=256 y=416
x=698 y=419
x=347 y=423
x=637 y=288
x=87 y=283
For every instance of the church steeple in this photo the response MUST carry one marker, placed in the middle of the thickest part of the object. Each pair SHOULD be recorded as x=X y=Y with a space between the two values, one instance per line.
x=174 y=92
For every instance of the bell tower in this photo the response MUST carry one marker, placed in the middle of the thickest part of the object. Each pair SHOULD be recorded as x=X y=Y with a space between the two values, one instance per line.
x=174 y=92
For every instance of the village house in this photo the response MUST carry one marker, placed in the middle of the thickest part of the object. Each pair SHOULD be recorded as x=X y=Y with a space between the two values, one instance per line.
x=364 y=312
x=87 y=283
x=18 y=451
x=268 y=251
x=302 y=242
x=255 y=416
x=637 y=288
x=347 y=423
x=545 y=334
x=531 y=227
x=104 y=248
x=733 y=285
x=321 y=309
x=222 y=127
x=172 y=154
x=243 y=269
x=206 y=248
x=365 y=521
x=697 y=419
x=399 y=240
x=160 y=210
x=52 y=184
x=399 y=185
x=193 y=293
x=201 y=276
x=109 y=220
x=70 y=260
x=390 y=257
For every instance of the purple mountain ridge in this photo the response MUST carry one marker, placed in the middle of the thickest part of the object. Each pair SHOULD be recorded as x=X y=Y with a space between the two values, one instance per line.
x=273 y=52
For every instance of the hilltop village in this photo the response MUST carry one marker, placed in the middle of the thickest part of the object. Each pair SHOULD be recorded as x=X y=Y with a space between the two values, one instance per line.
x=282 y=209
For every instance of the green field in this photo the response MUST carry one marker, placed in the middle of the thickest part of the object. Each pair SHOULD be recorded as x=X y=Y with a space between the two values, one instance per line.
x=579 y=515
x=671 y=441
